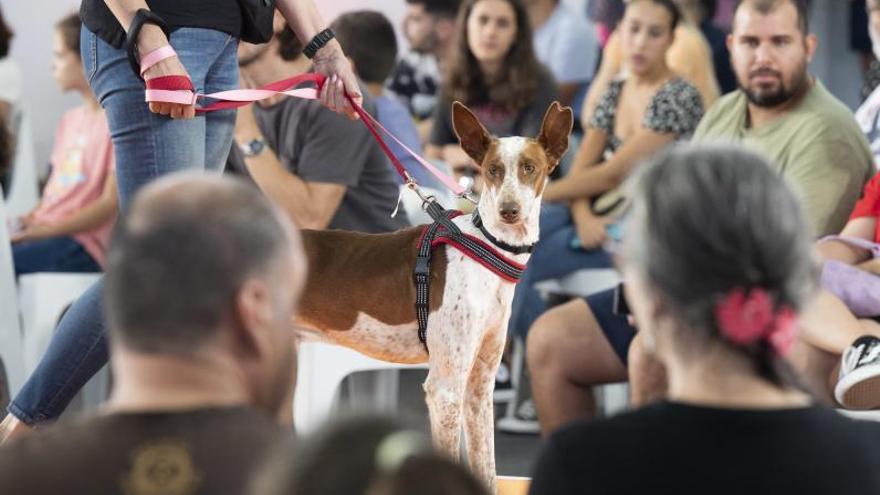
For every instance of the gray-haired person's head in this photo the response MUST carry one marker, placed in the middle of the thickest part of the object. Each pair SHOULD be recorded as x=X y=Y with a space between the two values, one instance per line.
x=709 y=223
x=180 y=255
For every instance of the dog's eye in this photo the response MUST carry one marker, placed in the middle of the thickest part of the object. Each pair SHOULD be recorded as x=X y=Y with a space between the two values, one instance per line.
x=493 y=170
x=528 y=168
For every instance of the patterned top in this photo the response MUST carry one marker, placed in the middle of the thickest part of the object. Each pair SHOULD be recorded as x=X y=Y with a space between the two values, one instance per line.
x=676 y=108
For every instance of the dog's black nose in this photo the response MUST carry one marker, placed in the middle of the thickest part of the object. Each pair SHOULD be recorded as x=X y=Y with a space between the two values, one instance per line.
x=509 y=212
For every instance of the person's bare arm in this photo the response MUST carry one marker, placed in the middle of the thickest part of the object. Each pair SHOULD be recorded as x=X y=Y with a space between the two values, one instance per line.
x=589 y=182
x=150 y=38
x=862 y=228
x=91 y=216
x=311 y=205
x=306 y=22
x=608 y=69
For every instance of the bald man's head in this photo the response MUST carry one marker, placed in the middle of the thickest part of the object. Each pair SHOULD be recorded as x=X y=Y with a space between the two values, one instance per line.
x=183 y=251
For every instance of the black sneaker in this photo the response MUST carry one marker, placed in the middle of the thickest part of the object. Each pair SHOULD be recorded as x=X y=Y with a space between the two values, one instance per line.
x=858 y=386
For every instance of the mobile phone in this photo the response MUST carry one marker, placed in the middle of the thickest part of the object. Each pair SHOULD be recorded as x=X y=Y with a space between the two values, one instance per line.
x=621 y=307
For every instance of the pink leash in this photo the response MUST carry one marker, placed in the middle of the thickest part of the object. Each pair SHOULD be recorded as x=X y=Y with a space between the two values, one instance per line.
x=179 y=89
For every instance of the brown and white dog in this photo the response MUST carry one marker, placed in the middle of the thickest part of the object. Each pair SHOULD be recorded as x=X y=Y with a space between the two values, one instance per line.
x=360 y=292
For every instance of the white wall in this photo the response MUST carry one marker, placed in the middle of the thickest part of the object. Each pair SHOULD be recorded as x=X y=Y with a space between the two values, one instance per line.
x=33 y=23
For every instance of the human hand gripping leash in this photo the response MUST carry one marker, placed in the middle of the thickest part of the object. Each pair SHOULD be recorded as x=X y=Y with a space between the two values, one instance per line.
x=179 y=89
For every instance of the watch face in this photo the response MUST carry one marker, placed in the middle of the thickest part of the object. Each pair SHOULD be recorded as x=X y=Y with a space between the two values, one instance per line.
x=253 y=147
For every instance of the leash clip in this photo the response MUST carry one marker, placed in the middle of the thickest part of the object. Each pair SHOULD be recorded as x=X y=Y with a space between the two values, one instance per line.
x=413 y=186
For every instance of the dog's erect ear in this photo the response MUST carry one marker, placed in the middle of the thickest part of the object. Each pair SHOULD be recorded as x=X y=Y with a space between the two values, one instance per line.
x=555 y=131
x=474 y=138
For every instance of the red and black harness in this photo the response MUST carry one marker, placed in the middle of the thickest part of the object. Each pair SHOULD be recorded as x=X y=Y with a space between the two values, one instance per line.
x=444 y=231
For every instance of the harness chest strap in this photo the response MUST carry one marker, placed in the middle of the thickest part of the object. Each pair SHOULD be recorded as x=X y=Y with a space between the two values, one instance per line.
x=444 y=231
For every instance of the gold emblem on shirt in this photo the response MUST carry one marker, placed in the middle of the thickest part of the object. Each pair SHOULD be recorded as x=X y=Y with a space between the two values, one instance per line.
x=163 y=467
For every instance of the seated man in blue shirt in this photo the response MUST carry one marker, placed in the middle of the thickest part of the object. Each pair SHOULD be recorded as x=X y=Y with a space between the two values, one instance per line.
x=371 y=46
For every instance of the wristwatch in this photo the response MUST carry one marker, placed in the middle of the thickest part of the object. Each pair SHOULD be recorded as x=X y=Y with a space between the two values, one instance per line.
x=253 y=147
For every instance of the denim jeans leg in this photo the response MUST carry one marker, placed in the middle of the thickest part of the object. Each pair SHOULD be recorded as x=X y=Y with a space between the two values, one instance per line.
x=77 y=351
x=222 y=76
x=58 y=254
x=146 y=146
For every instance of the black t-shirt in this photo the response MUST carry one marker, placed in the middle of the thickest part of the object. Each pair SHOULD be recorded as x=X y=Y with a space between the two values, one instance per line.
x=199 y=452
x=219 y=15
x=672 y=448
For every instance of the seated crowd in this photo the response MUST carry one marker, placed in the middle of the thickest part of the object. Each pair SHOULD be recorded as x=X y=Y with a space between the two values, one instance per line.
x=735 y=195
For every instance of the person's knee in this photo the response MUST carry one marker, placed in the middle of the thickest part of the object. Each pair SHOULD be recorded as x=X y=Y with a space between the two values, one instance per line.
x=541 y=340
x=558 y=332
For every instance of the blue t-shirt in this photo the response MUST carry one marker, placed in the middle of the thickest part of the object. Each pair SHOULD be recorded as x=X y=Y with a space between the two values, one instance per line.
x=569 y=47
x=394 y=116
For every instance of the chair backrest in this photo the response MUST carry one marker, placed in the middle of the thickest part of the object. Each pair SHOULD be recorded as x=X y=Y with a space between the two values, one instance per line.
x=11 y=347
x=24 y=192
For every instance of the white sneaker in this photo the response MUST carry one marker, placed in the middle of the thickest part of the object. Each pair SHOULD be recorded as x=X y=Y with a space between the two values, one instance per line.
x=858 y=386
x=523 y=421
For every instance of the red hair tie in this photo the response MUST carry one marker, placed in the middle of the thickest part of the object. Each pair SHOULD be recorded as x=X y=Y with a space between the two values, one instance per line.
x=746 y=318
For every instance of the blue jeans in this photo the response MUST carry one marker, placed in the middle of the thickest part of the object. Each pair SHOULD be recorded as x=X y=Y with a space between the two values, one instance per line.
x=58 y=254
x=553 y=257
x=146 y=146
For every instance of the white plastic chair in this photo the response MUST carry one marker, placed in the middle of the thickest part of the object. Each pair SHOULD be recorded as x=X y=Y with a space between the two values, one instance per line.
x=11 y=345
x=43 y=299
x=322 y=368
x=23 y=193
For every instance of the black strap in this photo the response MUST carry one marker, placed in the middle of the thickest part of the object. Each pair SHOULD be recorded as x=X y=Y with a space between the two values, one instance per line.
x=141 y=17
x=422 y=271
x=443 y=227
x=478 y=223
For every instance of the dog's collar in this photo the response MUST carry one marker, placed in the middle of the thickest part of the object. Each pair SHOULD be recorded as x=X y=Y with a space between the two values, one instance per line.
x=478 y=223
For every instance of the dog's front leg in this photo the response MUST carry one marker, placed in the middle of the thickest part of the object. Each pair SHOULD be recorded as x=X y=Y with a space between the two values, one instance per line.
x=453 y=349
x=444 y=391
x=478 y=409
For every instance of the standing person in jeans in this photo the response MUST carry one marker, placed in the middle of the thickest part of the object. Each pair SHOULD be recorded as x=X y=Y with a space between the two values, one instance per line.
x=148 y=144
x=69 y=229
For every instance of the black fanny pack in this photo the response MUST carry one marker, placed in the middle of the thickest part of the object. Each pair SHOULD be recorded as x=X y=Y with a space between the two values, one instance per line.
x=256 y=17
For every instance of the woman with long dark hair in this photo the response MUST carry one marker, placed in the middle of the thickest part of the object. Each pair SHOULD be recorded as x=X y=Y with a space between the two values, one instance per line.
x=493 y=70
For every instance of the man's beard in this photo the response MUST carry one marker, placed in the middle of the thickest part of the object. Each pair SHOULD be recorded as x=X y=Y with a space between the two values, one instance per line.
x=782 y=94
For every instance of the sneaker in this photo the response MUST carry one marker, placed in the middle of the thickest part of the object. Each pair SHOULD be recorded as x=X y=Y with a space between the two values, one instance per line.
x=859 y=384
x=524 y=420
x=503 y=386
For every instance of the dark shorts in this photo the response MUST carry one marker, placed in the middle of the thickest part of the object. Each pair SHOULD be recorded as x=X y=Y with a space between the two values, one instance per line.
x=616 y=328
